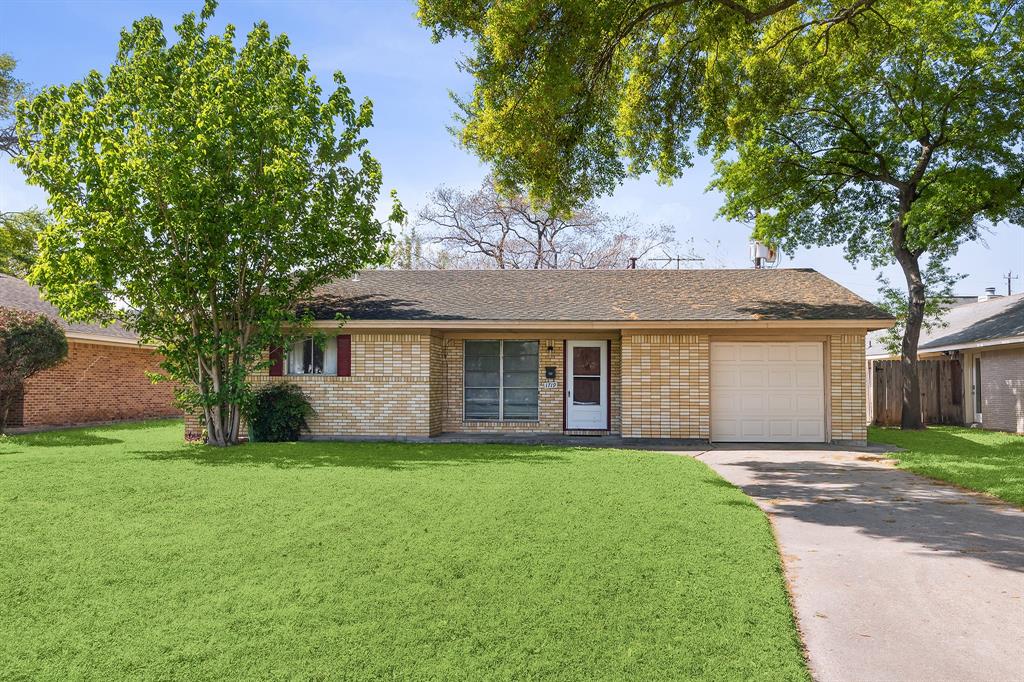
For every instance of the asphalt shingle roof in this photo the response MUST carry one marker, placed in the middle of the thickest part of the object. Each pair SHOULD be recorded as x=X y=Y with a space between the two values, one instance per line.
x=19 y=294
x=591 y=295
x=995 y=318
x=966 y=324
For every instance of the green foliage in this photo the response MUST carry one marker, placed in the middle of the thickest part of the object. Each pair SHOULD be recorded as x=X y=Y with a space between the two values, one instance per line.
x=207 y=188
x=19 y=233
x=938 y=283
x=570 y=97
x=278 y=412
x=988 y=461
x=11 y=90
x=29 y=343
x=373 y=561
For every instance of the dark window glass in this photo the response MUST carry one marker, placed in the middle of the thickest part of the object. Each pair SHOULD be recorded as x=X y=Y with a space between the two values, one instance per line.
x=501 y=380
x=312 y=357
x=586 y=360
x=521 y=367
x=586 y=390
x=483 y=380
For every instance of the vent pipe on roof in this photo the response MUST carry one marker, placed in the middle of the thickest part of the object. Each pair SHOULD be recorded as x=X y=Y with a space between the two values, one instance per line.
x=990 y=292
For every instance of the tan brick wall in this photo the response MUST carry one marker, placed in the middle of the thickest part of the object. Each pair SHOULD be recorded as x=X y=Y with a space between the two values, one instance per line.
x=388 y=394
x=1002 y=390
x=665 y=386
x=847 y=387
x=97 y=383
x=437 y=388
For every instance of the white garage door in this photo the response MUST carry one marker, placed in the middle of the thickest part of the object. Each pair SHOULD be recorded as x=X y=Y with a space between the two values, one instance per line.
x=767 y=392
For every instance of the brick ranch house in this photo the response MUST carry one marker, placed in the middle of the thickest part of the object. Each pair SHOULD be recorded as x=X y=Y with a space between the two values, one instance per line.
x=722 y=355
x=103 y=378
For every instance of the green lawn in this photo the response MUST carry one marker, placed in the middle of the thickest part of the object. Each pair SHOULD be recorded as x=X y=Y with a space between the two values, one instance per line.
x=989 y=461
x=124 y=552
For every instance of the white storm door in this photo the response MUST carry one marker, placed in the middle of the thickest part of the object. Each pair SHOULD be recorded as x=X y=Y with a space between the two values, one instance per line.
x=767 y=392
x=586 y=385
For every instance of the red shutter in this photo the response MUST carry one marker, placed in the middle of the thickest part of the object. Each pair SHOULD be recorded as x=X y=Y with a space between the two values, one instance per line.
x=276 y=361
x=344 y=355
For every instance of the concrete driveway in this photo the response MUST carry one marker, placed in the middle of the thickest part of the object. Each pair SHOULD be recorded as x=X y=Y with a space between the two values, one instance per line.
x=893 y=577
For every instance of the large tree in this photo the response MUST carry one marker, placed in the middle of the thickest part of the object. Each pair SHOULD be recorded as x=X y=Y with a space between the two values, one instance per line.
x=486 y=229
x=919 y=100
x=197 y=192
x=898 y=139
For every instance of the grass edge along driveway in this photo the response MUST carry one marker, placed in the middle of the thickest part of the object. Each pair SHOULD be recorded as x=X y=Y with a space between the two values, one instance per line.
x=128 y=553
x=991 y=462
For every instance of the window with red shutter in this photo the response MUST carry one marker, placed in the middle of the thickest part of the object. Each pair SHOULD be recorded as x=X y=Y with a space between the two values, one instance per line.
x=276 y=361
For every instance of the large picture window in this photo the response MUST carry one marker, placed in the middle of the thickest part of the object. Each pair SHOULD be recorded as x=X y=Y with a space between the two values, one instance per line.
x=501 y=380
x=310 y=357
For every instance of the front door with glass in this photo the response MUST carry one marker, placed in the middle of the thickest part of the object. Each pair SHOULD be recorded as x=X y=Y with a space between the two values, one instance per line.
x=586 y=386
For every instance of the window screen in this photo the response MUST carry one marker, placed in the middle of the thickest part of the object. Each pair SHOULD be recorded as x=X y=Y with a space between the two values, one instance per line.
x=501 y=380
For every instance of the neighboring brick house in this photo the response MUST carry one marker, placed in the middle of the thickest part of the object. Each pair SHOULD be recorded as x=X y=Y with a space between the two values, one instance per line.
x=103 y=378
x=724 y=355
x=986 y=336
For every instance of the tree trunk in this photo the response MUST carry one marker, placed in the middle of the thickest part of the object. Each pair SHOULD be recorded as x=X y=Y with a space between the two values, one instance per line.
x=6 y=400
x=222 y=419
x=911 y=416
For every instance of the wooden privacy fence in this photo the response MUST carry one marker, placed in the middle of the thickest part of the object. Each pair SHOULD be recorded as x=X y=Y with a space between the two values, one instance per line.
x=942 y=391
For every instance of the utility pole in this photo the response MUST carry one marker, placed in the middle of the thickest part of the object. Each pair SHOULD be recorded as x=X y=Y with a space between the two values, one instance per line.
x=1009 y=277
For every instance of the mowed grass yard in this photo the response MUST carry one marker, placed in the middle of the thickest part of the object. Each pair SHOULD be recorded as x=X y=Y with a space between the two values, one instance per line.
x=125 y=553
x=989 y=461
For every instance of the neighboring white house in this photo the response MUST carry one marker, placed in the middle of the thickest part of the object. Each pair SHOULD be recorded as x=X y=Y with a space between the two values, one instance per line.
x=987 y=336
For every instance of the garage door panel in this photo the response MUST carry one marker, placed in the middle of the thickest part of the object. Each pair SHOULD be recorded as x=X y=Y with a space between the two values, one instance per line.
x=807 y=352
x=782 y=429
x=753 y=428
x=724 y=352
x=767 y=392
x=808 y=377
x=753 y=379
x=809 y=403
x=781 y=377
x=751 y=352
x=725 y=377
x=752 y=402
x=811 y=429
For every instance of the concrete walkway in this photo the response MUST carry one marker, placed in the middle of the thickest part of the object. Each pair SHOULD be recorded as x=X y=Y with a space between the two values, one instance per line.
x=893 y=577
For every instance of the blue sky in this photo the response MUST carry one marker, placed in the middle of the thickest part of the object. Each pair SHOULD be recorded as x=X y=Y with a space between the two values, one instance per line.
x=386 y=56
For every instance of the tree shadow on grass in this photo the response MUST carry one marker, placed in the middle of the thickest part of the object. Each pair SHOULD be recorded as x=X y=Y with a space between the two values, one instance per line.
x=393 y=456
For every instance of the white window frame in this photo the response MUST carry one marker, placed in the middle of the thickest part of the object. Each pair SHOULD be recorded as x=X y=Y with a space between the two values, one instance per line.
x=501 y=383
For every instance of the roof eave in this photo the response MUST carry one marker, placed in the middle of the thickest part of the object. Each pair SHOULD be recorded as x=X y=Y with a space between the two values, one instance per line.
x=866 y=324
x=103 y=339
x=969 y=345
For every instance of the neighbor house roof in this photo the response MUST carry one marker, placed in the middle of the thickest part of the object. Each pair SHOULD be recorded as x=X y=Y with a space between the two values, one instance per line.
x=995 y=321
x=19 y=294
x=618 y=296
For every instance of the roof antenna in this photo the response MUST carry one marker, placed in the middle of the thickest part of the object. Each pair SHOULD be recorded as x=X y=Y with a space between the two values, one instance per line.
x=678 y=260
